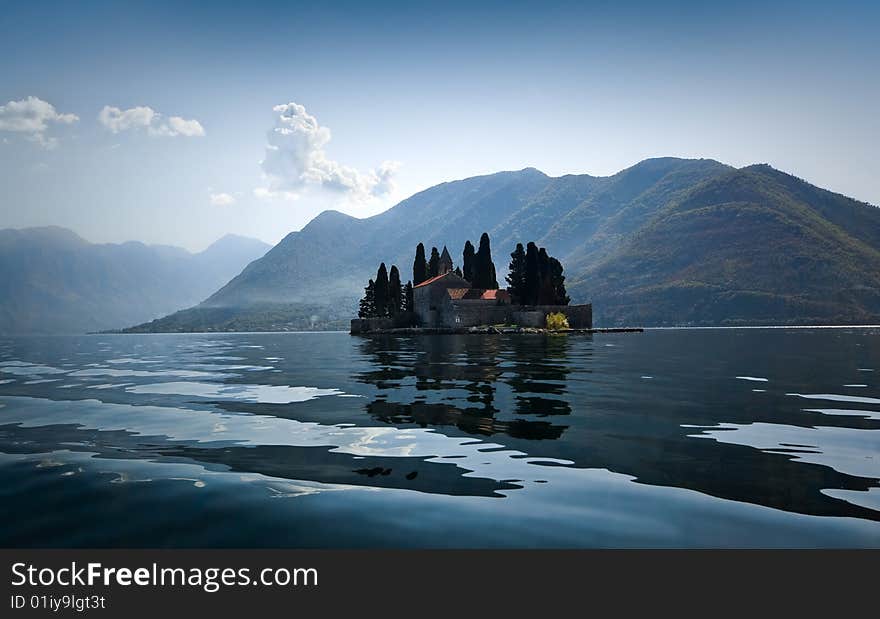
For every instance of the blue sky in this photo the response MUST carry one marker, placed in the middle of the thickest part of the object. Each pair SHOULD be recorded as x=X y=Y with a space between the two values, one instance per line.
x=395 y=97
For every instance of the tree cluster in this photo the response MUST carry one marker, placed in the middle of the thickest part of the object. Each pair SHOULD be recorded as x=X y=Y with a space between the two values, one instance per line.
x=535 y=278
x=477 y=266
x=385 y=296
x=425 y=269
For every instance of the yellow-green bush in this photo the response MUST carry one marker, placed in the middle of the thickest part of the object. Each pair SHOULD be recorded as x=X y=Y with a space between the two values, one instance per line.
x=557 y=321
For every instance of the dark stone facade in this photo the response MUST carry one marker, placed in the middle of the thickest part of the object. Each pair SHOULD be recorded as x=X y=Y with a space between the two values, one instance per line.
x=448 y=301
x=429 y=296
x=460 y=314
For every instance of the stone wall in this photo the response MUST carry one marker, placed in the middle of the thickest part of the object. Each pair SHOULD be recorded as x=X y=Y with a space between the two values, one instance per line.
x=422 y=302
x=474 y=313
x=527 y=318
x=477 y=313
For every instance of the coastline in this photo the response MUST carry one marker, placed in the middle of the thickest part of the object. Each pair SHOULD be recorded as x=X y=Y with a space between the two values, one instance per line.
x=489 y=330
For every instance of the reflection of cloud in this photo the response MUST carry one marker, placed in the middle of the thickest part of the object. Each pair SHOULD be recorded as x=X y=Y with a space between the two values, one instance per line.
x=282 y=490
x=846 y=450
x=32 y=117
x=143 y=117
x=295 y=159
x=383 y=442
x=264 y=394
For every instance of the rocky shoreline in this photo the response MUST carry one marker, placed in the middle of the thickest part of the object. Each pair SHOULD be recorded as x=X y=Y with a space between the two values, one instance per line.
x=491 y=330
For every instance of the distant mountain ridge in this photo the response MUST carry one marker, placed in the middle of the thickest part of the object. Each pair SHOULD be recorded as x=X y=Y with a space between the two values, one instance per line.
x=53 y=281
x=750 y=246
x=665 y=242
x=571 y=215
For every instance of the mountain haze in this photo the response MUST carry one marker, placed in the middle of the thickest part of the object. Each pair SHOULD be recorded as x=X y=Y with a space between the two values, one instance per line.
x=53 y=281
x=667 y=241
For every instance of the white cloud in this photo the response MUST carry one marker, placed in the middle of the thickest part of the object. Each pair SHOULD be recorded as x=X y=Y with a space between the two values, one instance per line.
x=146 y=118
x=295 y=159
x=32 y=117
x=117 y=120
x=188 y=128
x=384 y=177
x=222 y=199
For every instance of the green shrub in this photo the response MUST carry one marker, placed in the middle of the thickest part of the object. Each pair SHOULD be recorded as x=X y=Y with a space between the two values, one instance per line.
x=557 y=321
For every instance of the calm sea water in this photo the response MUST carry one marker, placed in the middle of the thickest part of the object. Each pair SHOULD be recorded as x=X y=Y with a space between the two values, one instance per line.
x=679 y=438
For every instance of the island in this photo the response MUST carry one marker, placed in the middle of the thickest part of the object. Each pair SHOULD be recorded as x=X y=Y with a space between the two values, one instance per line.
x=442 y=298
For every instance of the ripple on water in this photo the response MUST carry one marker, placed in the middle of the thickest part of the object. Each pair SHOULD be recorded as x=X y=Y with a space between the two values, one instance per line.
x=846 y=450
x=124 y=360
x=22 y=368
x=112 y=372
x=262 y=394
x=836 y=397
x=869 y=498
x=848 y=412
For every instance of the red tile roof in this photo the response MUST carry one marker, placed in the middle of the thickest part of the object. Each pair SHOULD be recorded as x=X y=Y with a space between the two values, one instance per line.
x=496 y=295
x=434 y=279
x=431 y=280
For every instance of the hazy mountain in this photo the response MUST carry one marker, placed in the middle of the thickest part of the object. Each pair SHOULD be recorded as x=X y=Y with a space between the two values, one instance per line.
x=53 y=281
x=667 y=241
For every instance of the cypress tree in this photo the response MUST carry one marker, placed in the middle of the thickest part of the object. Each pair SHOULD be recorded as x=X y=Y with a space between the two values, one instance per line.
x=516 y=278
x=457 y=271
x=533 y=275
x=484 y=268
x=420 y=265
x=547 y=292
x=468 y=258
x=558 y=280
x=434 y=263
x=380 y=294
x=409 y=303
x=395 y=292
x=367 y=307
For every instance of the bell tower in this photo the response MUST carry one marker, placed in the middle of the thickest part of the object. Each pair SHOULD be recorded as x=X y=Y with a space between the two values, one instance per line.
x=445 y=265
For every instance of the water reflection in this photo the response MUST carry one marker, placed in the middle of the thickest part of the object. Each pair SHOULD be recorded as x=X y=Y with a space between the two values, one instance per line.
x=356 y=453
x=649 y=439
x=534 y=370
x=652 y=430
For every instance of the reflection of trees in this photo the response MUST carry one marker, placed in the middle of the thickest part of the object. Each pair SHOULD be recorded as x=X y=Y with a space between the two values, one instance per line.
x=470 y=420
x=542 y=367
x=529 y=366
x=517 y=386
